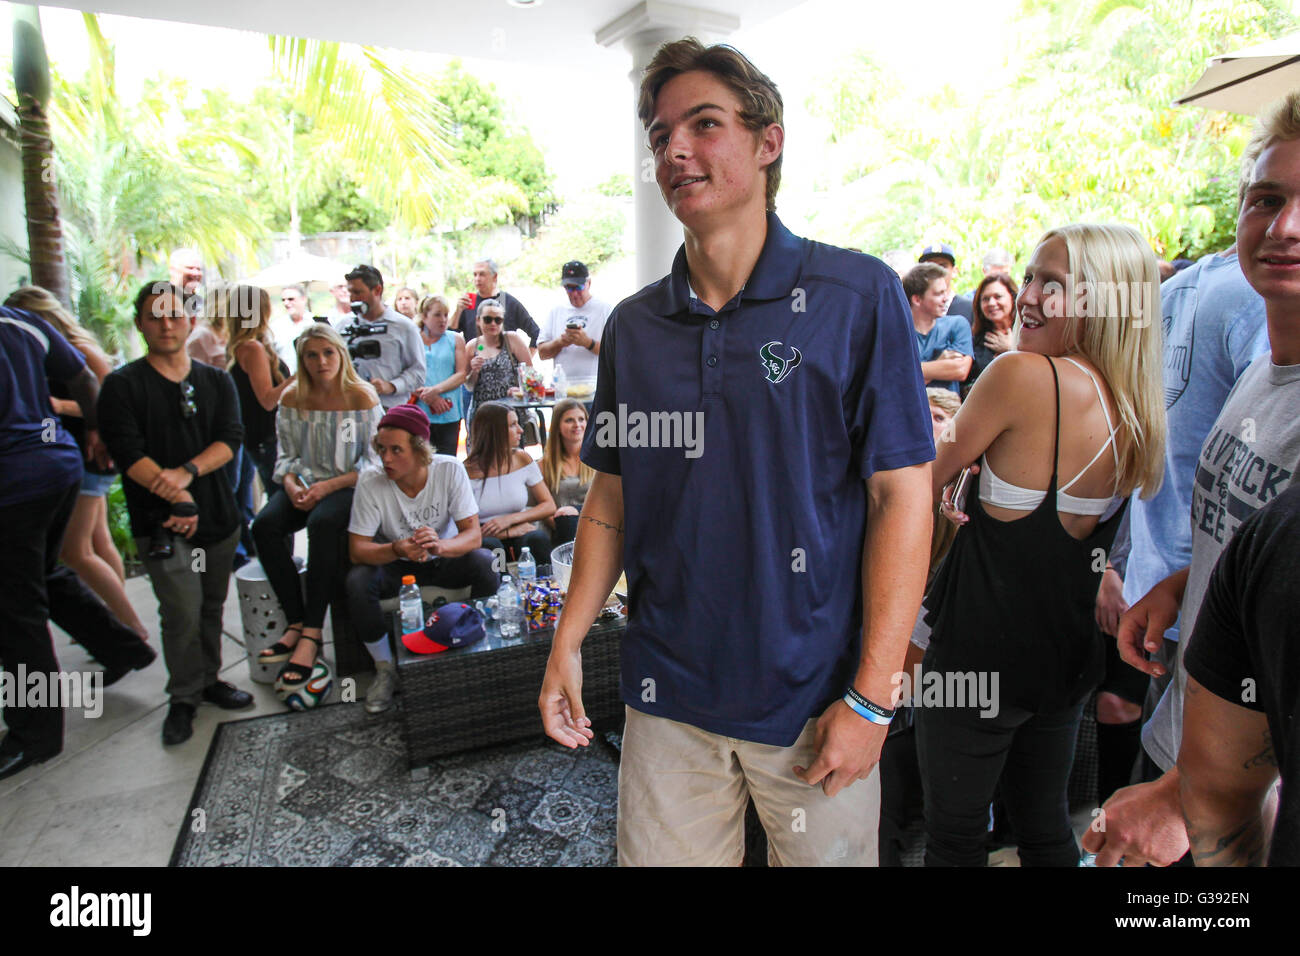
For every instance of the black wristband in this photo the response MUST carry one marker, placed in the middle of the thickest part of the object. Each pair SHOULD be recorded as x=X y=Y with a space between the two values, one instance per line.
x=874 y=708
x=192 y=468
x=185 y=509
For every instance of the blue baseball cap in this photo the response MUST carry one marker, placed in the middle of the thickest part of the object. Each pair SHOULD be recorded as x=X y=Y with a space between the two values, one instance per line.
x=452 y=625
x=938 y=249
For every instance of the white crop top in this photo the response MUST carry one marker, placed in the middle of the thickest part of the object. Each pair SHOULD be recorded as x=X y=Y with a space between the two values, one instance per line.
x=1003 y=494
x=505 y=494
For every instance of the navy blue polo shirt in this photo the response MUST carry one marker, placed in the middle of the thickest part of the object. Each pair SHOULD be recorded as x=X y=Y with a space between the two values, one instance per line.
x=37 y=455
x=743 y=438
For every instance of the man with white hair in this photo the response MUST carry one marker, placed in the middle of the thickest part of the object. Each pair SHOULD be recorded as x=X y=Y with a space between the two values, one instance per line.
x=465 y=315
x=997 y=262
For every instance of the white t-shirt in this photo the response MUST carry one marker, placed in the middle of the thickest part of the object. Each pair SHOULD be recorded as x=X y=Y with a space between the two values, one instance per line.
x=380 y=509
x=505 y=494
x=285 y=332
x=576 y=361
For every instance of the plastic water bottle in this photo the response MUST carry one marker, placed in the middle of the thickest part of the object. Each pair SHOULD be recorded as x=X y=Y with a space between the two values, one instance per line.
x=510 y=613
x=410 y=606
x=526 y=568
x=561 y=382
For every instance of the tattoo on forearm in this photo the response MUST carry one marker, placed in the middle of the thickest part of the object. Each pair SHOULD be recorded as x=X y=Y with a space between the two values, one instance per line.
x=1243 y=846
x=601 y=524
x=1265 y=758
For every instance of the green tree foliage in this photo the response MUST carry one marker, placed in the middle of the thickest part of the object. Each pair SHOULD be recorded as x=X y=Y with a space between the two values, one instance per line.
x=490 y=147
x=135 y=183
x=589 y=229
x=1084 y=130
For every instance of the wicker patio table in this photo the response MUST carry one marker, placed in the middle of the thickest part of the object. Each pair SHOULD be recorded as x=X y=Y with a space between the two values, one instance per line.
x=486 y=694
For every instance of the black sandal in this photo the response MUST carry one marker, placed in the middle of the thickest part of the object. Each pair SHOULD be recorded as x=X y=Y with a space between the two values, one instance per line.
x=280 y=651
x=292 y=668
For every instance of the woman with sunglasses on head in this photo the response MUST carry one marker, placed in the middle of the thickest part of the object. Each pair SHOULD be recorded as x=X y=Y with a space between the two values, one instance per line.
x=1014 y=600
x=494 y=356
x=446 y=364
x=991 y=323
x=327 y=419
x=261 y=377
x=508 y=485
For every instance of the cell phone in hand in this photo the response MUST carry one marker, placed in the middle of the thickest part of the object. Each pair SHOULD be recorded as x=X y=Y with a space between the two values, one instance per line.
x=958 y=498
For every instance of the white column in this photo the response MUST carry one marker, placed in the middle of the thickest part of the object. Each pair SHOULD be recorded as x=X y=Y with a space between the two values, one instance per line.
x=658 y=233
x=642 y=30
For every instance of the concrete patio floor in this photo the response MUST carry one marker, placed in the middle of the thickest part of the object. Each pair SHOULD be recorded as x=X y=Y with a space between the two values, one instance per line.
x=115 y=796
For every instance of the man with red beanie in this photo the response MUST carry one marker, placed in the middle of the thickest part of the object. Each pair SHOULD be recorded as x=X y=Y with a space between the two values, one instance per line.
x=418 y=518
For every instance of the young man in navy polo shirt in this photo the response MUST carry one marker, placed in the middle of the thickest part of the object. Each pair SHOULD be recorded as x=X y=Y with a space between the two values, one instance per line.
x=753 y=409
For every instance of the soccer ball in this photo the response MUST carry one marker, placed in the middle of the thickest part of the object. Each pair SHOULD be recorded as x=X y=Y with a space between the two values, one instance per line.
x=310 y=692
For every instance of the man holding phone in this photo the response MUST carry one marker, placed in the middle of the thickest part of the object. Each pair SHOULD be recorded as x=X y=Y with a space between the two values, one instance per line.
x=571 y=335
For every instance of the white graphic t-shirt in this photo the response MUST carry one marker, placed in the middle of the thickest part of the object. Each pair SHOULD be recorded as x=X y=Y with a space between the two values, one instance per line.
x=381 y=510
x=576 y=361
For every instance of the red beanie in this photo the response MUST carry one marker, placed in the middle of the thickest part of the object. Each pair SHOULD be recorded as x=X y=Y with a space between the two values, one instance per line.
x=408 y=418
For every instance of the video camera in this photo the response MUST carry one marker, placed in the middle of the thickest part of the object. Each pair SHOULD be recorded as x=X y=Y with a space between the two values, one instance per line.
x=362 y=350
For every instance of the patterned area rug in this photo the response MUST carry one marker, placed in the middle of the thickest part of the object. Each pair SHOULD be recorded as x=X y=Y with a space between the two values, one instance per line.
x=331 y=788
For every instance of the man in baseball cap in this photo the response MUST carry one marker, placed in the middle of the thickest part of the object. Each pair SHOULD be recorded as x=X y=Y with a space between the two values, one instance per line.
x=944 y=255
x=571 y=333
x=417 y=517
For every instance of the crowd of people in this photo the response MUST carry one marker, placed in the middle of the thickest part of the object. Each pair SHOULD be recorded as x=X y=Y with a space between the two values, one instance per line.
x=1063 y=486
x=349 y=423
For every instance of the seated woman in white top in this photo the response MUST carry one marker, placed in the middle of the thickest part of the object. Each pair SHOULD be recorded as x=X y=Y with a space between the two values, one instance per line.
x=508 y=485
x=326 y=421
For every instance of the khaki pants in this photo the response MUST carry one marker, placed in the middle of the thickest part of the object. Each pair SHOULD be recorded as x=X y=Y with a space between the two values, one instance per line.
x=682 y=794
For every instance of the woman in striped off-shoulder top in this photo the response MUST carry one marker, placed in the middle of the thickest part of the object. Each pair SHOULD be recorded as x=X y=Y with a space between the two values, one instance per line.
x=325 y=425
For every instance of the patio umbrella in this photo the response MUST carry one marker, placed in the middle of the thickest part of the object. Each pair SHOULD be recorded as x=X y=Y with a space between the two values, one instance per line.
x=1248 y=80
x=318 y=273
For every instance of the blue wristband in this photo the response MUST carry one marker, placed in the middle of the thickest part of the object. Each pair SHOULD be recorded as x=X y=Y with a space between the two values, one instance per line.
x=865 y=713
x=873 y=707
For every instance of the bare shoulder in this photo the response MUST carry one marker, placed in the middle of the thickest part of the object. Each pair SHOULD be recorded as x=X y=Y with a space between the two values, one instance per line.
x=289 y=397
x=362 y=398
x=1016 y=372
x=520 y=459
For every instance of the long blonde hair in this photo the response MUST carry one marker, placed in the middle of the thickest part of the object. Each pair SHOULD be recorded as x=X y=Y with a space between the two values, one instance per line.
x=553 y=456
x=245 y=313
x=1121 y=335
x=349 y=381
x=40 y=301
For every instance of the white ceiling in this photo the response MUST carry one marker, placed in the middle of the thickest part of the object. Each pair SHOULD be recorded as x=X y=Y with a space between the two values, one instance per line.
x=556 y=31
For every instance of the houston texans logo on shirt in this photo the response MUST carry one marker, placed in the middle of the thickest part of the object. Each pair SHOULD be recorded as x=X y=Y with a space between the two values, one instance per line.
x=778 y=368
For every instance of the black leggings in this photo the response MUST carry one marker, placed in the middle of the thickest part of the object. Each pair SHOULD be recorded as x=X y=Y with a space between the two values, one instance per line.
x=369 y=584
x=325 y=524
x=964 y=755
x=537 y=542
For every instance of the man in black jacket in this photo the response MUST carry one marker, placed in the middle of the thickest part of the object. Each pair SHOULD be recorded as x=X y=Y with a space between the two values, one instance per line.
x=171 y=425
